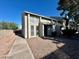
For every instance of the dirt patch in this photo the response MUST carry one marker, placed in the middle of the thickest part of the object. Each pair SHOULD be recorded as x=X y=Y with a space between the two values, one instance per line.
x=7 y=38
x=58 y=48
x=40 y=47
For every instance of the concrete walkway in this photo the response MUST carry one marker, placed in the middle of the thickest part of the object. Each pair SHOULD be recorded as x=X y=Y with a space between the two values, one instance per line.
x=20 y=50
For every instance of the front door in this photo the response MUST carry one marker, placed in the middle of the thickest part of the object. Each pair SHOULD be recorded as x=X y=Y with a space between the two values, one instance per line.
x=47 y=30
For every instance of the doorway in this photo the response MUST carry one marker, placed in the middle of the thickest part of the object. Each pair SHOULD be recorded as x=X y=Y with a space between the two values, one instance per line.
x=47 y=30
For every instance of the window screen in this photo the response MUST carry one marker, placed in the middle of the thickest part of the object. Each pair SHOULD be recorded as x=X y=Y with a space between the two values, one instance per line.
x=32 y=30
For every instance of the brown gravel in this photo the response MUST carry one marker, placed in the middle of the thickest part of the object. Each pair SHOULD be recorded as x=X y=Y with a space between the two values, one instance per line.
x=59 y=48
x=7 y=38
x=41 y=47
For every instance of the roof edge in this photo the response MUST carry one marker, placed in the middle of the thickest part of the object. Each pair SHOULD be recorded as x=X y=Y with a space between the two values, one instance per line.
x=37 y=14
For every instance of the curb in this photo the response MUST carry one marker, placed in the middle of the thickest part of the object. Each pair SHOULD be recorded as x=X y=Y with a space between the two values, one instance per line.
x=30 y=50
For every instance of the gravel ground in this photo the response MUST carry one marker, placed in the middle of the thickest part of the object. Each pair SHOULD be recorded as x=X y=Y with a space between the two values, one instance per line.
x=49 y=48
x=7 y=38
x=41 y=47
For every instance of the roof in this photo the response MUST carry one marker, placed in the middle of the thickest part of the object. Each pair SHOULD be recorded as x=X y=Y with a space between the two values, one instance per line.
x=51 y=18
x=26 y=12
x=57 y=18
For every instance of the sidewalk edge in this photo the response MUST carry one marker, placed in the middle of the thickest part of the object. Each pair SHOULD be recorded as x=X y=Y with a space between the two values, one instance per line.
x=30 y=50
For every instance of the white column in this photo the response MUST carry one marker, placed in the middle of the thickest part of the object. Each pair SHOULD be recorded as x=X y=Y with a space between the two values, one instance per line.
x=25 y=22
x=34 y=30
x=41 y=28
x=28 y=27
x=40 y=34
x=24 y=26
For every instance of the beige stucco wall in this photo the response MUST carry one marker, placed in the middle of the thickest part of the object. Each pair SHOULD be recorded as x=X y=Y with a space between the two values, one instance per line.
x=23 y=26
x=27 y=21
x=33 y=20
x=41 y=30
x=45 y=21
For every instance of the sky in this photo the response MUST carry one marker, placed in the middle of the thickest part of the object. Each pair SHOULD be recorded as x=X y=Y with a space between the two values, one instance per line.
x=11 y=10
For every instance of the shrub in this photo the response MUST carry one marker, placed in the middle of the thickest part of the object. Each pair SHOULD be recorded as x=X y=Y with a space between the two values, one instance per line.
x=8 y=25
x=69 y=32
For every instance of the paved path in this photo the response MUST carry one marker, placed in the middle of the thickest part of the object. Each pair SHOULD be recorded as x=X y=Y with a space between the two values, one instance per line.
x=20 y=50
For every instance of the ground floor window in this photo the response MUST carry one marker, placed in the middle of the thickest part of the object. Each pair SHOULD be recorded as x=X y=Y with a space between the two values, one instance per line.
x=32 y=30
x=37 y=30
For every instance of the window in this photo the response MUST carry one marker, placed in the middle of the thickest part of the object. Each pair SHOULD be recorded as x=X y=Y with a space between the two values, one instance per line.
x=32 y=30
x=37 y=28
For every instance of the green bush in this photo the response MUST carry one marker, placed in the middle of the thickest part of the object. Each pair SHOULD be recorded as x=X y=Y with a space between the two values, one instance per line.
x=8 y=25
x=69 y=32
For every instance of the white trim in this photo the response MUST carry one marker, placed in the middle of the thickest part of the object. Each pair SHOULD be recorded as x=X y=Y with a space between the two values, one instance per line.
x=30 y=50
x=38 y=15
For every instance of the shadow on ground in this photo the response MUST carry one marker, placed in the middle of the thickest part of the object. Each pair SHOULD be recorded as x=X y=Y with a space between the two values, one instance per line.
x=18 y=32
x=70 y=49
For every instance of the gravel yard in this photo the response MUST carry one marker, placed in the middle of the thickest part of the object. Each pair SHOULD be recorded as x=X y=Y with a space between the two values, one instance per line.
x=7 y=38
x=54 y=48
x=41 y=47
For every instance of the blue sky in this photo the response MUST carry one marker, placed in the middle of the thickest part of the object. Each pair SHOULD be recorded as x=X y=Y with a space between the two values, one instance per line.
x=11 y=10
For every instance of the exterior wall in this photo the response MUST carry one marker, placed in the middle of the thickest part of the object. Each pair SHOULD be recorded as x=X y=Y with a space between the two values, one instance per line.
x=24 y=26
x=41 y=30
x=28 y=26
x=34 y=21
x=45 y=21
x=30 y=22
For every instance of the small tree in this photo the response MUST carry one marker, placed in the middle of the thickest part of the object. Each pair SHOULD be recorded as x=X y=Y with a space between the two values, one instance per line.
x=8 y=25
x=69 y=8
